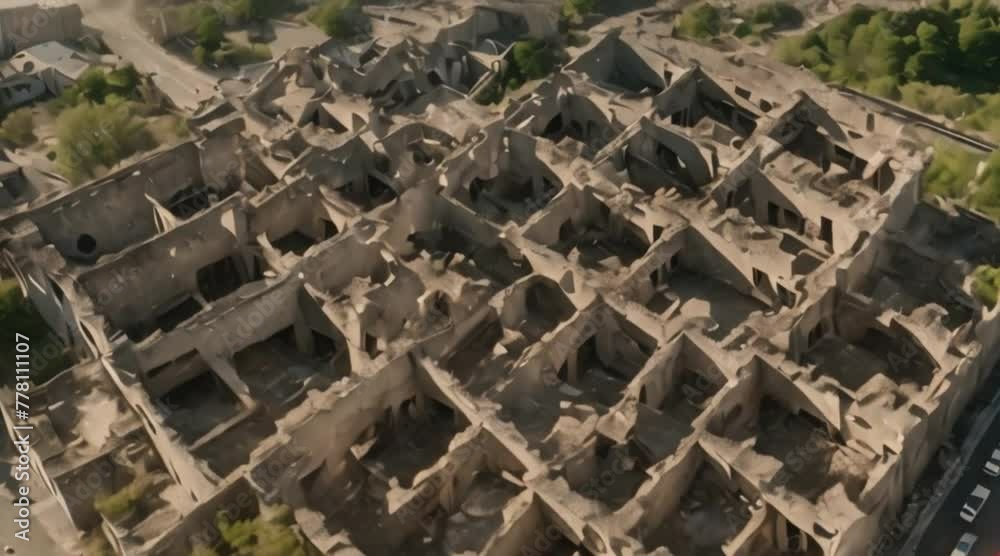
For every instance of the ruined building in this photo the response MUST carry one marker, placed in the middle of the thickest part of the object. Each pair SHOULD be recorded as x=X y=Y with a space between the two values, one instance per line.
x=666 y=303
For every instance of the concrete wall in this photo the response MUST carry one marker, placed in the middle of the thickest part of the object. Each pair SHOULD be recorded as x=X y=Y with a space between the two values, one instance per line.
x=206 y=239
x=119 y=215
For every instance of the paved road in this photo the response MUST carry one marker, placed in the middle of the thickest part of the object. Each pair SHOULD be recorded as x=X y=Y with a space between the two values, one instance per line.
x=181 y=81
x=944 y=532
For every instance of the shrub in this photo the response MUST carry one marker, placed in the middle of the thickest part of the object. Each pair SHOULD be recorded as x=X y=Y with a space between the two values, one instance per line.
x=94 y=544
x=238 y=54
x=120 y=503
x=744 y=29
x=938 y=99
x=986 y=117
x=337 y=18
x=95 y=85
x=950 y=173
x=91 y=137
x=532 y=59
x=987 y=193
x=777 y=15
x=209 y=30
x=986 y=284
x=123 y=81
x=273 y=536
x=699 y=21
x=887 y=87
x=572 y=9
x=202 y=550
x=18 y=127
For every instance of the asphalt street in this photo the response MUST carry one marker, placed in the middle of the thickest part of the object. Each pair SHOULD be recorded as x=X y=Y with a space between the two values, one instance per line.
x=182 y=82
x=943 y=533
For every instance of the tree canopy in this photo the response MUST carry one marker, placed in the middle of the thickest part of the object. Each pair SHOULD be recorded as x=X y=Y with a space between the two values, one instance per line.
x=92 y=137
x=929 y=56
x=272 y=536
x=338 y=18
x=572 y=9
x=699 y=21
x=986 y=284
x=209 y=30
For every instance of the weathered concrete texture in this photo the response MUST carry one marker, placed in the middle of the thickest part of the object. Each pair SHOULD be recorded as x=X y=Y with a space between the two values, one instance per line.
x=650 y=307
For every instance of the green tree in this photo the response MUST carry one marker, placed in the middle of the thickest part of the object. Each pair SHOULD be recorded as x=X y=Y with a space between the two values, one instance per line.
x=699 y=21
x=337 y=17
x=93 y=86
x=950 y=172
x=533 y=59
x=93 y=137
x=873 y=52
x=572 y=9
x=777 y=14
x=123 y=81
x=942 y=59
x=209 y=30
x=18 y=127
x=986 y=285
x=987 y=187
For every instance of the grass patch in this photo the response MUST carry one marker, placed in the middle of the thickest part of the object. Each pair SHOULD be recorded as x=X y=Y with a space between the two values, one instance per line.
x=986 y=284
x=271 y=536
x=119 y=504
x=95 y=544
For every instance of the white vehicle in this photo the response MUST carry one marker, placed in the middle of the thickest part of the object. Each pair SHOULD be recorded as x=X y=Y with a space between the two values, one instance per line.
x=965 y=544
x=974 y=503
x=992 y=467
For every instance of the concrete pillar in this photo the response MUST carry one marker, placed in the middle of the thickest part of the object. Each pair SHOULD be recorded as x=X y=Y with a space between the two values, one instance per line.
x=448 y=495
x=226 y=372
x=537 y=186
x=420 y=402
x=781 y=533
x=304 y=340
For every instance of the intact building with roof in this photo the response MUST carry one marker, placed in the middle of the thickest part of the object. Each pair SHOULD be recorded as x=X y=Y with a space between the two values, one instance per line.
x=666 y=301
